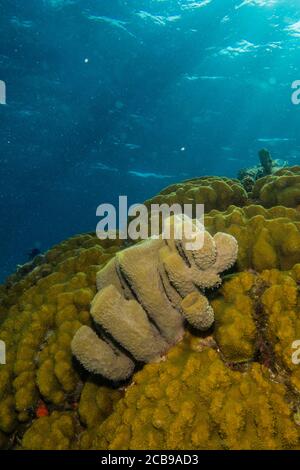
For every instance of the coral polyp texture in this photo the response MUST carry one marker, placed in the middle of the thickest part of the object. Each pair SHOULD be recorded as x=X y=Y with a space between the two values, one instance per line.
x=40 y=313
x=212 y=191
x=145 y=294
x=280 y=188
x=193 y=401
x=233 y=384
x=267 y=238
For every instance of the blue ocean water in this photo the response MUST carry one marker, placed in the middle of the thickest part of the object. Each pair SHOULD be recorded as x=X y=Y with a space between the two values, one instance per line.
x=112 y=97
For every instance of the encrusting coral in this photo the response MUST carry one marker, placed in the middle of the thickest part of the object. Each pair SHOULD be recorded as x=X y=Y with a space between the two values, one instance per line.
x=210 y=392
x=145 y=293
x=41 y=313
x=280 y=188
x=267 y=238
x=234 y=386
x=235 y=329
x=51 y=433
x=214 y=192
x=193 y=401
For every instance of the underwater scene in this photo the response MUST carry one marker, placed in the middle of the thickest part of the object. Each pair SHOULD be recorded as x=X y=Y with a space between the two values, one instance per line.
x=150 y=225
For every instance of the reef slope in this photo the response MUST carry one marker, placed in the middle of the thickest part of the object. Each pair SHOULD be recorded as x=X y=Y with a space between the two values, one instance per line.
x=232 y=387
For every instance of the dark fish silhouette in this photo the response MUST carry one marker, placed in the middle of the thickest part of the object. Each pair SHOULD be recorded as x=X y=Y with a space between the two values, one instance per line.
x=33 y=253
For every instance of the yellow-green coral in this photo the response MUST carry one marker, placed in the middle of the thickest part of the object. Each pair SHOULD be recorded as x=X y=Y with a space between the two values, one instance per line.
x=66 y=430
x=193 y=401
x=54 y=432
x=42 y=313
x=267 y=238
x=234 y=387
x=213 y=192
x=281 y=188
x=281 y=305
x=252 y=308
x=235 y=330
x=96 y=404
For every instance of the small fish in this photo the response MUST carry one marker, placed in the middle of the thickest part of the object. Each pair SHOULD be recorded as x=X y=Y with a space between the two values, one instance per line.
x=33 y=253
x=41 y=410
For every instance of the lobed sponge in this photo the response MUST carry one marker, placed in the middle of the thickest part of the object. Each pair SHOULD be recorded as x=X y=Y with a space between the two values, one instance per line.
x=146 y=293
x=99 y=356
x=132 y=328
x=197 y=311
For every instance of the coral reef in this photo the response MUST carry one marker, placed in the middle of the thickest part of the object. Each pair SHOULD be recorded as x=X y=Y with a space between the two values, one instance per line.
x=55 y=432
x=61 y=429
x=40 y=314
x=260 y=314
x=245 y=397
x=193 y=401
x=280 y=303
x=145 y=293
x=235 y=329
x=267 y=166
x=267 y=238
x=213 y=192
x=233 y=386
x=280 y=188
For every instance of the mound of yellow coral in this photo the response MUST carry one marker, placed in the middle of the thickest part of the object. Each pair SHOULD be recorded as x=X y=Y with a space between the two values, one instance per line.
x=193 y=401
x=213 y=192
x=235 y=329
x=202 y=397
x=41 y=313
x=234 y=387
x=267 y=238
x=280 y=188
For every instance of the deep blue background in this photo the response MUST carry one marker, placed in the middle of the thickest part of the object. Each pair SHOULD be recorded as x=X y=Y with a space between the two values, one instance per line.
x=90 y=101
